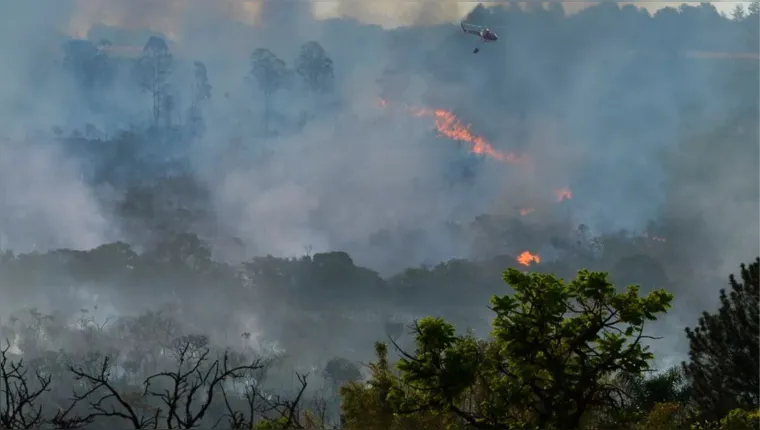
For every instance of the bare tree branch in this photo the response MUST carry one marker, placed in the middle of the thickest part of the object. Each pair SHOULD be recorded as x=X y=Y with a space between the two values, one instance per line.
x=186 y=393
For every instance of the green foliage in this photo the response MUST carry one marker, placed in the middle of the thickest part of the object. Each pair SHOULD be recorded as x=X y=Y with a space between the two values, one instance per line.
x=553 y=344
x=740 y=419
x=276 y=424
x=665 y=416
x=646 y=399
x=724 y=350
x=736 y=419
x=367 y=405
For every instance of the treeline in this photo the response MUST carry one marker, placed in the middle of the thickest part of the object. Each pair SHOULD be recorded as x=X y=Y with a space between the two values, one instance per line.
x=561 y=355
x=93 y=69
x=181 y=262
x=555 y=40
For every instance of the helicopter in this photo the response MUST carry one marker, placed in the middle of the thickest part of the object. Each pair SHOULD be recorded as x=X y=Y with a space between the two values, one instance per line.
x=484 y=33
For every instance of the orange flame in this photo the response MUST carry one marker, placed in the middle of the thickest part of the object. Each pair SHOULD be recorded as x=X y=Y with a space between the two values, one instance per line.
x=526 y=211
x=526 y=258
x=448 y=125
x=564 y=194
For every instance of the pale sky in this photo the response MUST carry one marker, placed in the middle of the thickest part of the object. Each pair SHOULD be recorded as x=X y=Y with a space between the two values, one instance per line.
x=391 y=13
x=167 y=16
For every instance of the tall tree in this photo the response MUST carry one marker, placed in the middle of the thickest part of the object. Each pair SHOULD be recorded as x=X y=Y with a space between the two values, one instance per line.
x=270 y=73
x=724 y=351
x=737 y=14
x=315 y=68
x=170 y=101
x=201 y=85
x=201 y=93
x=753 y=9
x=153 y=70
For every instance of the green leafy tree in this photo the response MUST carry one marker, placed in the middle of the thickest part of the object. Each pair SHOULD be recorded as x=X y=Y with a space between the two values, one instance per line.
x=724 y=355
x=553 y=349
x=662 y=416
x=666 y=387
x=365 y=405
x=662 y=397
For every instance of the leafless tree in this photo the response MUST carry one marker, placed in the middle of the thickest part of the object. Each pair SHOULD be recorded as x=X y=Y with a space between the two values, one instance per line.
x=21 y=399
x=278 y=411
x=286 y=412
x=245 y=418
x=177 y=399
x=105 y=399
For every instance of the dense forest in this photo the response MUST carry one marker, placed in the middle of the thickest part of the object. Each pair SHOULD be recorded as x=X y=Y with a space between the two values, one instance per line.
x=387 y=231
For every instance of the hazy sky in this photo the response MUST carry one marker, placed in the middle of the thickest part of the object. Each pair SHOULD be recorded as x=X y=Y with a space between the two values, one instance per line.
x=391 y=13
x=388 y=13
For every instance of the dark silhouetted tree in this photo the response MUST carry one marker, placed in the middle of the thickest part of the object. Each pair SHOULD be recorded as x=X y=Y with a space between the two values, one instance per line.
x=724 y=355
x=182 y=396
x=737 y=14
x=640 y=394
x=753 y=10
x=23 y=401
x=182 y=250
x=270 y=73
x=153 y=70
x=201 y=85
x=201 y=93
x=315 y=68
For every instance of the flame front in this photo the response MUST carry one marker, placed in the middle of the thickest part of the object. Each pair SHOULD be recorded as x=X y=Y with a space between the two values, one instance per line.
x=526 y=258
x=449 y=125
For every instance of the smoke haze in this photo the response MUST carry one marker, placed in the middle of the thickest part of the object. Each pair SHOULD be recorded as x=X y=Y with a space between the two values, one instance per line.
x=624 y=110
